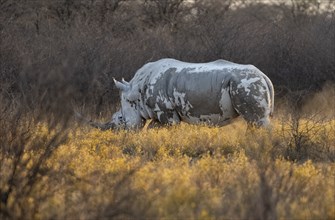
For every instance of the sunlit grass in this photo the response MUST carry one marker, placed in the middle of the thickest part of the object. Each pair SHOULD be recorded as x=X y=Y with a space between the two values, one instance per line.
x=184 y=172
x=196 y=172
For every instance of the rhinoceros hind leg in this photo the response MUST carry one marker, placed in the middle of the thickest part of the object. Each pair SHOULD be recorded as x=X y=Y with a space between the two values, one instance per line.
x=251 y=104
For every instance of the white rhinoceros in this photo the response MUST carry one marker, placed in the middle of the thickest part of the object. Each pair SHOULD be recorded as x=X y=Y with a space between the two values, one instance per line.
x=169 y=91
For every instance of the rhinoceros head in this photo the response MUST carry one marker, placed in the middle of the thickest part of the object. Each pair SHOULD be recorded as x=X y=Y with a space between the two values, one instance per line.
x=117 y=121
x=131 y=116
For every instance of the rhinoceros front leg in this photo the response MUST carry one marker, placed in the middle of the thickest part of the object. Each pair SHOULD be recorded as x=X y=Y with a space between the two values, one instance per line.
x=164 y=118
x=155 y=124
x=158 y=124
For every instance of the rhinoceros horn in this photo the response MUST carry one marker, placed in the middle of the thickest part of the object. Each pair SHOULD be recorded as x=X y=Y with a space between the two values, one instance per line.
x=101 y=126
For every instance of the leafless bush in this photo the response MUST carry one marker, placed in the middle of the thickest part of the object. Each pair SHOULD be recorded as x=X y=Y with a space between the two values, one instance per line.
x=23 y=156
x=89 y=42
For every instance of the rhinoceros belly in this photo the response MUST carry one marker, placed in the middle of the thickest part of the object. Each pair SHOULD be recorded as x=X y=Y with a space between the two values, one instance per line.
x=220 y=112
x=203 y=98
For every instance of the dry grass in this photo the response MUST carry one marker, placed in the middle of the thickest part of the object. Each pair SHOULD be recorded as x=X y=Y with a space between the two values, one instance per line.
x=185 y=172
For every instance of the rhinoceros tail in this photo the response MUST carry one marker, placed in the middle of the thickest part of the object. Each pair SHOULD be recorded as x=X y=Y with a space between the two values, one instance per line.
x=272 y=95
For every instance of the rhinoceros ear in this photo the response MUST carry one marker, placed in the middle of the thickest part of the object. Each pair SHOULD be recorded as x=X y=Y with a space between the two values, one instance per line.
x=134 y=94
x=125 y=82
x=121 y=86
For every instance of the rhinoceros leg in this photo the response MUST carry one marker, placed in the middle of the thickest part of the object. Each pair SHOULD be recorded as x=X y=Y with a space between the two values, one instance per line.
x=155 y=124
x=165 y=119
x=252 y=102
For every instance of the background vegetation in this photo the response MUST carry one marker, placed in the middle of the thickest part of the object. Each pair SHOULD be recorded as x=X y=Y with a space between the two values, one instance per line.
x=57 y=56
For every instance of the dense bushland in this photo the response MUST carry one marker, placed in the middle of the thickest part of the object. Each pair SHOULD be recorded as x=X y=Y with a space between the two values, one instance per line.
x=60 y=56
x=70 y=50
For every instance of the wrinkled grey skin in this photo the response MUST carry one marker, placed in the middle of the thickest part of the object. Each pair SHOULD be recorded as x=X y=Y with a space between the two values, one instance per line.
x=169 y=91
